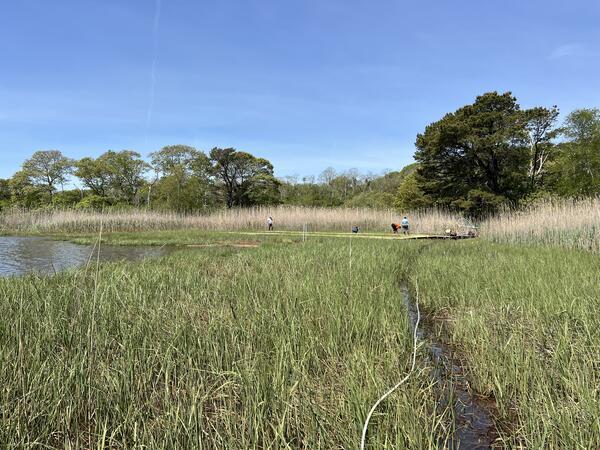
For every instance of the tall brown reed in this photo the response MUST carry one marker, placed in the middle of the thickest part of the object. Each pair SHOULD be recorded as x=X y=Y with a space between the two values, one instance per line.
x=285 y=218
x=566 y=223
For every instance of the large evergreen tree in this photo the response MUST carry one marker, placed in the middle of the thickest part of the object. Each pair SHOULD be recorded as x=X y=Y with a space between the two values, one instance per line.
x=477 y=157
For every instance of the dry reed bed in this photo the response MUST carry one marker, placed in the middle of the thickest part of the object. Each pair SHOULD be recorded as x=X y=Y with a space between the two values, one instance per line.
x=566 y=223
x=285 y=218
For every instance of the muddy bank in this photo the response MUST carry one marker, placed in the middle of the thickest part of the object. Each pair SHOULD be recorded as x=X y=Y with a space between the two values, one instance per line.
x=474 y=424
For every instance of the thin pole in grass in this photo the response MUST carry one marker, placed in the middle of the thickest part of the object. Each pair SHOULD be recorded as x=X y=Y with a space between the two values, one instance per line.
x=350 y=256
x=91 y=327
x=401 y=382
x=21 y=354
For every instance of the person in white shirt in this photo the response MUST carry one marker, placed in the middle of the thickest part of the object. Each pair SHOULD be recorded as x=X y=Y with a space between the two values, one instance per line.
x=270 y=223
x=404 y=225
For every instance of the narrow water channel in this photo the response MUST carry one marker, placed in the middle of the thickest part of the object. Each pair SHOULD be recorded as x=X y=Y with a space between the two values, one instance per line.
x=473 y=427
x=21 y=255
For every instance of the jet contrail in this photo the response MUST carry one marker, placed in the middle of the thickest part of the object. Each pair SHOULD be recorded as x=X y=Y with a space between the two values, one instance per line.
x=157 y=6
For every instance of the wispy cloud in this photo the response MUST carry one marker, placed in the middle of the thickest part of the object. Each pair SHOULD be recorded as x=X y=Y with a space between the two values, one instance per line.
x=154 y=63
x=570 y=50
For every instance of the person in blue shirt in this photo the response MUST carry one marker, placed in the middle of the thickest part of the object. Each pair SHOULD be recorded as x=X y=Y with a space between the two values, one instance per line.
x=404 y=225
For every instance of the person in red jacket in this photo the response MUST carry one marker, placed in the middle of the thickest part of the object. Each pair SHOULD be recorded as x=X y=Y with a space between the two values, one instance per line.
x=395 y=227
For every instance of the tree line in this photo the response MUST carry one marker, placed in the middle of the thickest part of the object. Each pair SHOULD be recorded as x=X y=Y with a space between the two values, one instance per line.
x=182 y=178
x=177 y=177
x=475 y=160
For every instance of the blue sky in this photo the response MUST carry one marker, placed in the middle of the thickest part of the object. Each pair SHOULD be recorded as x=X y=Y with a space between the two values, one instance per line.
x=307 y=84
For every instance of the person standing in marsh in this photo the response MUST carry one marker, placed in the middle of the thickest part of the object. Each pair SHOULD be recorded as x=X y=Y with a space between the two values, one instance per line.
x=270 y=223
x=404 y=224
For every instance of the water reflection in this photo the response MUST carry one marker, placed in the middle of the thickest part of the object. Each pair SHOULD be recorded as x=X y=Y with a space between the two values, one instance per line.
x=20 y=255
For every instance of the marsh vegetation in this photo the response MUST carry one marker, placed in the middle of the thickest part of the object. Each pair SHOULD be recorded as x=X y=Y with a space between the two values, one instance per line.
x=281 y=345
x=288 y=344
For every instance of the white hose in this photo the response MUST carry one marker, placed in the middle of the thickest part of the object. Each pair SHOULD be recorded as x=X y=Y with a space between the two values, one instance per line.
x=383 y=397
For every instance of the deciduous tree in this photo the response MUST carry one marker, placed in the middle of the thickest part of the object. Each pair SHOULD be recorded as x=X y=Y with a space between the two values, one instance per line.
x=410 y=195
x=576 y=171
x=48 y=168
x=117 y=176
x=238 y=175
x=541 y=130
x=183 y=182
x=95 y=174
x=4 y=193
x=24 y=193
x=127 y=174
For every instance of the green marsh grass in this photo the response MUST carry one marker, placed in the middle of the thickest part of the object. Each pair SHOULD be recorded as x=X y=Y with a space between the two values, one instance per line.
x=289 y=344
x=525 y=321
x=281 y=346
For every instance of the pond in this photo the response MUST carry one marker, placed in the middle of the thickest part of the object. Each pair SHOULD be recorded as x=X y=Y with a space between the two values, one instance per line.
x=21 y=255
